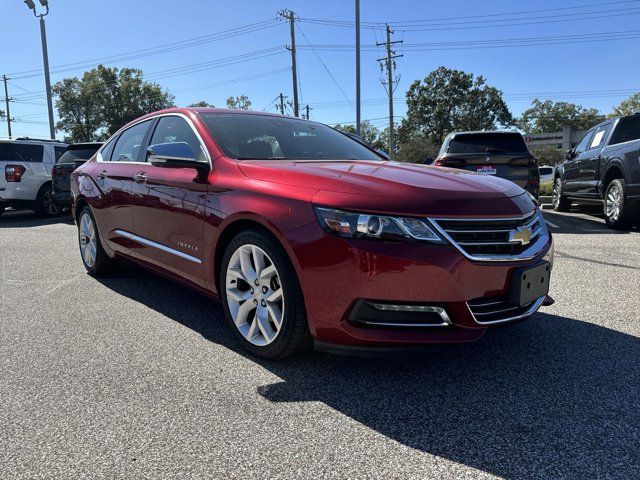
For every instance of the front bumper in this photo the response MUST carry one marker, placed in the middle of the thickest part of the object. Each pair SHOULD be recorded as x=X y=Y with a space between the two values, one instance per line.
x=336 y=274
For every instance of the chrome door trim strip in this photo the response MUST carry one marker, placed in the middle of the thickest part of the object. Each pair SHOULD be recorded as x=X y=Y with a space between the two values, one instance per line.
x=159 y=246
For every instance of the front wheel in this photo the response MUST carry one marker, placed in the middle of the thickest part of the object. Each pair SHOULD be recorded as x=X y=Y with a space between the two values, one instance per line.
x=617 y=213
x=262 y=298
x=560 y=202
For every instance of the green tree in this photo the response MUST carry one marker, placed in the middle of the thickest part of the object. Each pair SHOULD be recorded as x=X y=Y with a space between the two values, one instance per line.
x=448 y=100
x=627 y=107
x=201 y=103
x=550 y=116
x=239 y=103
x=546 y=154
x=368 y=133
x=103 y=100
x=416 y=150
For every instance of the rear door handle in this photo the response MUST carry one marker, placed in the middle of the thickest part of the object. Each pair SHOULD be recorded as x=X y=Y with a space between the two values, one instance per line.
x=140 y=177
x=102 y=175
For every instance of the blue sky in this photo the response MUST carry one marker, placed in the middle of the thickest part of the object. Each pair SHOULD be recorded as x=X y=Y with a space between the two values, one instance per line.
x=594 y=74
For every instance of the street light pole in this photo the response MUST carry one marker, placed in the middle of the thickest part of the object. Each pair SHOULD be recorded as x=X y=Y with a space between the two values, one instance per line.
x=45 y=59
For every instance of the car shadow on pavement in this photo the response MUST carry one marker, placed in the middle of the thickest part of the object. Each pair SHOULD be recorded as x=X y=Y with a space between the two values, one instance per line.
x=580 y=223
x=27 y=219
x=553 y=397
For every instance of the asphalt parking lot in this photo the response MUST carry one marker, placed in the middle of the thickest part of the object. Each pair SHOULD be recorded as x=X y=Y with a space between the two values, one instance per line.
x=133 y=376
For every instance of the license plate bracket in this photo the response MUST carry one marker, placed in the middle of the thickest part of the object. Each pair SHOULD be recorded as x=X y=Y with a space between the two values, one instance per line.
x=529 y=284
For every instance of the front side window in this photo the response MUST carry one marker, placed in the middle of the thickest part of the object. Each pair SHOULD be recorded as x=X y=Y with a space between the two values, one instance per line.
x=24 y=152
x=582 y=146
x=129 y=143
x=265 y=137
x=176 y=129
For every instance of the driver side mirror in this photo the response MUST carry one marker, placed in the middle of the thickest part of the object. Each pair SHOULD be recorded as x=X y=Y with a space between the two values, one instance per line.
x=428 y=161
x=173 y=155
x=569 y=154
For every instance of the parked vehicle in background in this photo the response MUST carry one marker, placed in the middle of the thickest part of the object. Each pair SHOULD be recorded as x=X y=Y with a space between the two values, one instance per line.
x=604 y=168
x=74 y=156
x=503 y=154
x=306 y=234
x=546 y=175
x=25 y=174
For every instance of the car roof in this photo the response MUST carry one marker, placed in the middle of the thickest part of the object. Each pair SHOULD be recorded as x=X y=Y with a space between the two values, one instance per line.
x=487 y=132
x=32 y=140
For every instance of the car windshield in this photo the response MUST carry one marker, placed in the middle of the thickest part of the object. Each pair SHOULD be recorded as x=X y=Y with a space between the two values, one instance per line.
x=266 y=137
x=488 y=143
x=73 y=154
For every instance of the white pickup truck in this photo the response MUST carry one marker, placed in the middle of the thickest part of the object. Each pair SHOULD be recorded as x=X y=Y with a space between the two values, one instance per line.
x=25 y=174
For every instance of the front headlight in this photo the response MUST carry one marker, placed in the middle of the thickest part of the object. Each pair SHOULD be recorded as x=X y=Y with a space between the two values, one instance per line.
x=382 y=227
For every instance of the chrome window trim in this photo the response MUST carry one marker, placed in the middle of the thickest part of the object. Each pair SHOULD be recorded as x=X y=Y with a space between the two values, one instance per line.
x=530 y=311
x=159 y=246
x=99 y=158
x=530 y=253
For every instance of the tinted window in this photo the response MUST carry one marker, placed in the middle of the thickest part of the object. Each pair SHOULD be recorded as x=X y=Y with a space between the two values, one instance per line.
x=5 y=151
x=58 y=152
x=582 y=146
x=23 y=152
x=263 y=137
x=628 y=129
x=71 y=155
x=176 y=129
x=546 y=170
x=488 y=143
x=127 y=147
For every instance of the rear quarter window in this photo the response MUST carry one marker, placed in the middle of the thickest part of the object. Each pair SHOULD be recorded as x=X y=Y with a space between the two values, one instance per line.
x=488 y=143
x=24 y=152
x=628 y=129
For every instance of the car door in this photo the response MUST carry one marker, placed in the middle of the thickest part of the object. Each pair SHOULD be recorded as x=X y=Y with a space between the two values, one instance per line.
x=116 y=165
x=168 y=213
x=572 y=165
x=589 y=162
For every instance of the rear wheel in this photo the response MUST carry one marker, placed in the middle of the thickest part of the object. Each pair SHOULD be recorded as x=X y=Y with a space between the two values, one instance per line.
x=94 y=258
x=560 y=202
x=46 y=205
x=617 y=213
x=261 y=297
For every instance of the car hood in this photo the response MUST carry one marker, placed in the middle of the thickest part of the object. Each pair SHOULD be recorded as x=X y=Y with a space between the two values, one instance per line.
x=389 y=179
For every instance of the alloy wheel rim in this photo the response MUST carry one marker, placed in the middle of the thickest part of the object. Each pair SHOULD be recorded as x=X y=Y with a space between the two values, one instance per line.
x=254 y=295
x=49 y=203
x=613 y=202
x=88 y=240
x=556 y=193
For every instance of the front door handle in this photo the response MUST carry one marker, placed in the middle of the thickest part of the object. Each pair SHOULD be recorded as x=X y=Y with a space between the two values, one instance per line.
x=102 y=175
x=140 y=177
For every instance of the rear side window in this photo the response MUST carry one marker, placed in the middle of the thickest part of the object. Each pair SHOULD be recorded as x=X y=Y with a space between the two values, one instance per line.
x=73 y=154
x=628 y=129
x=129 y=143
x=24 y=152
x=5 y=152
x=488 y=143
x=176 y=129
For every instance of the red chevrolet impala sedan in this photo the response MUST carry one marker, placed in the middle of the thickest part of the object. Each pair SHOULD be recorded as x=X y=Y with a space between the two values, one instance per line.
x=307 y=235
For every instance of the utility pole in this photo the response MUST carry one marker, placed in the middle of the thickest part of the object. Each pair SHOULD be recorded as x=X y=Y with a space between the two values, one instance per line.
x=7 y=100
x=357 y=67
x=307 y=108
x=45 y=58
x=289 y=15
x=281 y=97
x=389 y=63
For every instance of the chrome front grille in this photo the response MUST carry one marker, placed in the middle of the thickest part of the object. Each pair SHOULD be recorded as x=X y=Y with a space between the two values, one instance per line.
x=492 y=310
x=496 y=239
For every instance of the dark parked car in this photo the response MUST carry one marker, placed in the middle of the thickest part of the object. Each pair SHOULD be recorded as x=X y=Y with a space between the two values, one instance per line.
x=307 y=235
x=503 y=154
x=74 y=156
x=604 y=168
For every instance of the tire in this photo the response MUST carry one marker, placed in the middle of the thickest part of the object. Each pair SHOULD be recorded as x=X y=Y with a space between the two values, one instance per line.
x=94 y=258
x=45 y=205
x=617 y=213
x=560 y=202
x=245 y=302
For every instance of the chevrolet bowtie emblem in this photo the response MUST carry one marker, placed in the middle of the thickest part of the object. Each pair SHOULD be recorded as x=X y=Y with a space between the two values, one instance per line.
x=520 y=235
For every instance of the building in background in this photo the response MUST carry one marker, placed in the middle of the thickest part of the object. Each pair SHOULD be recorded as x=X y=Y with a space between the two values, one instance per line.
x=564 y=140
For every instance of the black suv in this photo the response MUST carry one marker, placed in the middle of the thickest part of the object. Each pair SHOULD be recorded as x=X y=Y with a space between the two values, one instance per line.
x=604 y=168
